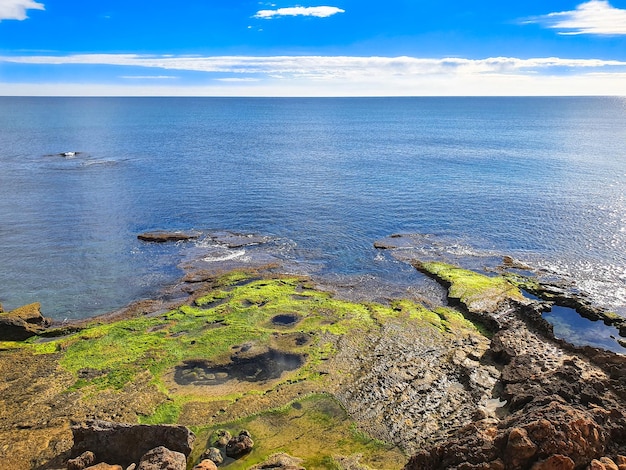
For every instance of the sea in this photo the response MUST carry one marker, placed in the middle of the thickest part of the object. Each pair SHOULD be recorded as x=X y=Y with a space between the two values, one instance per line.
x=540 y=179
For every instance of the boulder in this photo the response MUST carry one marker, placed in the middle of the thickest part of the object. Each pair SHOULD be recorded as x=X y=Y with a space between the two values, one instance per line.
x=280 y=461
x=22 y=323
x=104 y=466
x=555 y=462
x=214 y=455
x=608 y=463
x=81 y=462
x=127 y=443
x=220 y=438
x=162 y=236
x=206 y=464
x=240 y=445
x=161 y=458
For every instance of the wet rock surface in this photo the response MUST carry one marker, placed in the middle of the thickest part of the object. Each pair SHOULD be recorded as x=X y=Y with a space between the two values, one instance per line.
x=258 y=368
x=162 y=236
x=423 y=381
x=564 y=407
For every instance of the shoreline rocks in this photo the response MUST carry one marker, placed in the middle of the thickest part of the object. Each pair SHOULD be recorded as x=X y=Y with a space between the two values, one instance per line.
x=22 y=323
x=163 y=236
x=564 y=408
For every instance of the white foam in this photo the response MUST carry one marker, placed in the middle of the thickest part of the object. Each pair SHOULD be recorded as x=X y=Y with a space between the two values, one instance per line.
x=216 y=257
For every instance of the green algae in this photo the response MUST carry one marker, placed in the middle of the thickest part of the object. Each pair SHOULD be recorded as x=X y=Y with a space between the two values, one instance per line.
x=236 y=318
x=316 y=429
x=475 y=291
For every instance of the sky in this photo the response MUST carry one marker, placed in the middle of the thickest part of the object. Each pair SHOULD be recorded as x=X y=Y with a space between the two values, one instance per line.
x=312 y=48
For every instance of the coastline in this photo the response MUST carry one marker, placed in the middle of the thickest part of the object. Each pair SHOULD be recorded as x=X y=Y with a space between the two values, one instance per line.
x=404 y=383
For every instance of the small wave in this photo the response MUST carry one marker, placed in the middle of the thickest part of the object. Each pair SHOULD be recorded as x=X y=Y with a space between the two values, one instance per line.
x=99 y=162
x=217 y=257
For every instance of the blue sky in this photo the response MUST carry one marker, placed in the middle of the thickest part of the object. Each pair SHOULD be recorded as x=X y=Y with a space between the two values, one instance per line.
x=312 y=48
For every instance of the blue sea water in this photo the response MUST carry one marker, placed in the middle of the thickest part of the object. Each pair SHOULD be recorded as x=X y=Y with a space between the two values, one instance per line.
x=541 y=179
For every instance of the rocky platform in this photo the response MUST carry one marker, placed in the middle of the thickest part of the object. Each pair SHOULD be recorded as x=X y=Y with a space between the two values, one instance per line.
x=563 y=407
x=332 y=383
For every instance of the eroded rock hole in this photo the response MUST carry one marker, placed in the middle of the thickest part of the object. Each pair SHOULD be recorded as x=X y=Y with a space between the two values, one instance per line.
x=267 y=366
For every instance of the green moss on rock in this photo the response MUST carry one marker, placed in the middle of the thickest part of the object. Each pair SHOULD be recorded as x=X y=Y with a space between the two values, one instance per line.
x=477 y=292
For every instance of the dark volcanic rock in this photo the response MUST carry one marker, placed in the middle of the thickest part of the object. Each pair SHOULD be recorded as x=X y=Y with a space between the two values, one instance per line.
x=22 y=323
x=127 y=443
x=240 y=445
x=162 y=236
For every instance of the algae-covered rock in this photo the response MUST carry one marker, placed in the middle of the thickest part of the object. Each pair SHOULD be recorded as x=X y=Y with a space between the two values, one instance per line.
x=478 y=293
x=22 y=323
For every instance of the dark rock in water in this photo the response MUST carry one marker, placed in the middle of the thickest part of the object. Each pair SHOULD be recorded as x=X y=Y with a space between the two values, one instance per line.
x=161 y=236
x=22 y=323
x=238 y=240
x=84 y=460
x=220 y=438
x=127 y=443
x=240 y=445
x=161 y=458
x=214 y=454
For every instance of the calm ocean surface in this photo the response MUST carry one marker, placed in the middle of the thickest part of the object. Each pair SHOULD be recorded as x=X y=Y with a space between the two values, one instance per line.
x=542 y=179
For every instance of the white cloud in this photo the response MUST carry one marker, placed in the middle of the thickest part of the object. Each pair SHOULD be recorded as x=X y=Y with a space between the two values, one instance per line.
x=592 y=17
x=345 y=75
x=319 y=12
x=326 y=67
x=16 y=9
x=148 y=77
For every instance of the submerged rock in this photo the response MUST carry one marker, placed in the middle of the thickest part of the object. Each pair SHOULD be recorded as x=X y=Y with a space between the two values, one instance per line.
x=240 y=445
x=214 y=454
x=22 y=323
x=162 y=236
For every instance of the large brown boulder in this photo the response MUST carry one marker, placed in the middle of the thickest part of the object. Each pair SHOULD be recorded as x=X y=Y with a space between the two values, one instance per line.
x=127 y=443
x=22 y=323
x=161 y=458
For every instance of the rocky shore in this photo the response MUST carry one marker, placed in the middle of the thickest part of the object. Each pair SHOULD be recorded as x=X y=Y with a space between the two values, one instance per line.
x=252 y=369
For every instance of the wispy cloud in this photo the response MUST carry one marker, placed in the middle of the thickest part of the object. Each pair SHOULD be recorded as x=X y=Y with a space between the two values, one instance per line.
x=16 y=9
x=148 y=77
x=323 y=67
x=593 y=17
x=319 y=12
x=333 y=76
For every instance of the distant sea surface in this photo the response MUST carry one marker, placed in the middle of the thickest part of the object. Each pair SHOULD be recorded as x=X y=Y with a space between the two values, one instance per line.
x=540 y=179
